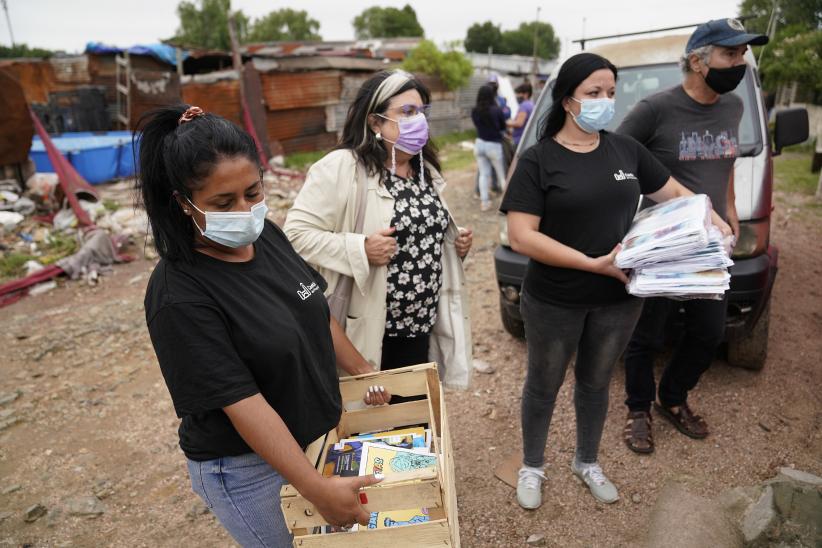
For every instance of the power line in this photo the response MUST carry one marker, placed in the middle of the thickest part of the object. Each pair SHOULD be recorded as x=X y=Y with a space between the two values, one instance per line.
x=8 y=21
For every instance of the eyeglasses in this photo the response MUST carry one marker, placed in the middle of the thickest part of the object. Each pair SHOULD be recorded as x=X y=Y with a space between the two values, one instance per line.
x=412 y=110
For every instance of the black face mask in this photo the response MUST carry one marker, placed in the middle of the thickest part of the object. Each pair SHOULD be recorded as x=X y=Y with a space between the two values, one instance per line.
x=725 y=80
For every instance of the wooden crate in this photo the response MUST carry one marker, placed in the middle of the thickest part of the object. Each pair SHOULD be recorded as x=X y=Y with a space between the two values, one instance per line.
x=431 y=488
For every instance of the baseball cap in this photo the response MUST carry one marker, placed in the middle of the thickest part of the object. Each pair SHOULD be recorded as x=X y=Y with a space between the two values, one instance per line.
x=723 y=32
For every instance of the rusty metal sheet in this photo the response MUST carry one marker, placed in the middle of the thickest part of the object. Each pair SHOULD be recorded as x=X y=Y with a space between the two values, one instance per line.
x=320 y=141
x=288 y=90
x=221 y=98
x=35 y=77
x=152 y=89
x=299 y=122
x=16 y=127
x=71 y=70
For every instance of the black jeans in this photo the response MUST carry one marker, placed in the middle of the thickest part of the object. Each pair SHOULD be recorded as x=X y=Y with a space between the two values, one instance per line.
x=704 y=329
x=553 y=333
x=404 y=351
x=401 y=352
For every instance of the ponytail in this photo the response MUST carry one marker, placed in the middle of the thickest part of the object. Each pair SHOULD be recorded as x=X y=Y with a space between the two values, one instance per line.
x=174 y=159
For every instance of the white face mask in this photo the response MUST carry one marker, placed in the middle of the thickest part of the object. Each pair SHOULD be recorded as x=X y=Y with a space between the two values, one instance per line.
x=233 y=228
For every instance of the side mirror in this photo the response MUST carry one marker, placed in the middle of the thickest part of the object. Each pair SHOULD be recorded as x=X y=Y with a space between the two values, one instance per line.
x=790 y=128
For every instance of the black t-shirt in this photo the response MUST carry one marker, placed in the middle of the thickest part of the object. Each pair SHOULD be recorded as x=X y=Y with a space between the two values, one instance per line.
x=489 y=125
x=585 y=201
x=697 y=143
x=225 y=331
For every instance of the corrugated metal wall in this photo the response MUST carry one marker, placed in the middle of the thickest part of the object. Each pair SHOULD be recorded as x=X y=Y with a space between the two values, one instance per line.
x=222 y=97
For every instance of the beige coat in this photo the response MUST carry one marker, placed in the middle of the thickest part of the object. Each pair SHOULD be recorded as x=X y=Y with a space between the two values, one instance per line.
x=320 y=226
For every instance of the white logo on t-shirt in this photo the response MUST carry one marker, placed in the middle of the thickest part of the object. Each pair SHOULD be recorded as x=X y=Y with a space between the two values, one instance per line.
x=307 y=291
x=623 y=176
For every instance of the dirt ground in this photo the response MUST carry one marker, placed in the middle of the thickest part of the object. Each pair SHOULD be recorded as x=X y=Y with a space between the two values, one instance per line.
x=87 y=426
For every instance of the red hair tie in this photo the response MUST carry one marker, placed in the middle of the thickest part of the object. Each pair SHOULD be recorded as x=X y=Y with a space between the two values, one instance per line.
x=190 y=114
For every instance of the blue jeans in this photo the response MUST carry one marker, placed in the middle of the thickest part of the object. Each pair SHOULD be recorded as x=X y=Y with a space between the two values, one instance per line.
x=489 y=158
x=244 y=494
x=553 y=334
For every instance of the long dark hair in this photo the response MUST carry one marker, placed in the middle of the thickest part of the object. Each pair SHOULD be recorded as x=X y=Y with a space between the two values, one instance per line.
x=571 y=74
x=373 y=98
x=486 y=98
x=174 y=159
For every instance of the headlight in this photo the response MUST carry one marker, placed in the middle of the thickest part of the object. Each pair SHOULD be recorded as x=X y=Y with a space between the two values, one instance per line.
x=753 y=238
x=503 y=230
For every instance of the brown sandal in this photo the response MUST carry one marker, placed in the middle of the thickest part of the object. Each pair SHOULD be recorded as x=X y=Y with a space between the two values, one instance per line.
x=685 y=420
x=637 y=433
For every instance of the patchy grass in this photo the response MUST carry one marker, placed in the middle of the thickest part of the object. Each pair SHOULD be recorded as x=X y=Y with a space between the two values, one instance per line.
x=51 y=250
x=452 y=155
x=303 y=160
x=12 y=266
x=443 y=141
x=792 y=173
x=111 y=205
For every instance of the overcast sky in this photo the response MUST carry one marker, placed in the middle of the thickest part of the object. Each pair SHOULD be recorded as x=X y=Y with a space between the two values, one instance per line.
x=69 y=24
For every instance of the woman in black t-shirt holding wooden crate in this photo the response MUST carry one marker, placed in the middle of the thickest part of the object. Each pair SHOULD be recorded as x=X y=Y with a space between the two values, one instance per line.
x=241 y=329
x=569 y=204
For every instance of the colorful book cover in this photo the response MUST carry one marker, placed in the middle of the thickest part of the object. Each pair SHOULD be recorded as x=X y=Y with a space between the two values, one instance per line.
x=397 y=518
x=408 y=440
x=389 y=461
x=343 y=459
x=398 y=432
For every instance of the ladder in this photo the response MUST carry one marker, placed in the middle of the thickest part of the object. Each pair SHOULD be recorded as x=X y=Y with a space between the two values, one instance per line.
x=123 y=85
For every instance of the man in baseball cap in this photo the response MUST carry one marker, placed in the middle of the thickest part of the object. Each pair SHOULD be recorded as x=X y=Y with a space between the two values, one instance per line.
x=693 y=129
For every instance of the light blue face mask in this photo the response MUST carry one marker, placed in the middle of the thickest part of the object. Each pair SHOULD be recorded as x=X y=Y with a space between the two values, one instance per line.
x=594 y=114
x=233 y=228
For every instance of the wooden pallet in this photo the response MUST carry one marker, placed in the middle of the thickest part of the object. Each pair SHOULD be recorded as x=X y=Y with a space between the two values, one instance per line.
x=431 y=488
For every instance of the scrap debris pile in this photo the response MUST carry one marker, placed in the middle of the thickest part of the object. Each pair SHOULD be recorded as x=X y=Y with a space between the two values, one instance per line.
x=41 y=237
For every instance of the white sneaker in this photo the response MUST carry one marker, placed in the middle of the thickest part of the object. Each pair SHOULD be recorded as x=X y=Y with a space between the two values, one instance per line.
x=529 y=487
x=592 y=476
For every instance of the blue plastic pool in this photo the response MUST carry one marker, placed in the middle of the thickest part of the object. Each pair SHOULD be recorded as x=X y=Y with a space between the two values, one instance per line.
x=98 y=157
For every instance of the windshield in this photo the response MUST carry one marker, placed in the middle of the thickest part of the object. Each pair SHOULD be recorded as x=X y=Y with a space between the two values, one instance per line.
x=636 y=83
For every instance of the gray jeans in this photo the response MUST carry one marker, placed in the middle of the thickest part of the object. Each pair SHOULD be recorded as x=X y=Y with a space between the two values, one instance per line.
x=598 y=336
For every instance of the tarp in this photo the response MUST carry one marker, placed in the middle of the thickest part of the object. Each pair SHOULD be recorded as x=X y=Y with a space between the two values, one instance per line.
x=161 y=52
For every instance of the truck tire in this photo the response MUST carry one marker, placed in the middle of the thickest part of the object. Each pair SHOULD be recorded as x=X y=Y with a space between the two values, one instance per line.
x=750 y=351
x=512 y=325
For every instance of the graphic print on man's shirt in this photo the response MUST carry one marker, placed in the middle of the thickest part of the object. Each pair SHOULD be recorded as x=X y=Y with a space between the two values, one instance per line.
x=706 y=146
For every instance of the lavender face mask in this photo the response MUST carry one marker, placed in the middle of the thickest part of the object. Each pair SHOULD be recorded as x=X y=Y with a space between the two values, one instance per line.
x=413 y=133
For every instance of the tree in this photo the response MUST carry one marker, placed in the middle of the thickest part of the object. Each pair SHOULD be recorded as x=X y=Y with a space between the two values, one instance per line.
x=377 y=22
x=518 y=41
x=521 y=41
x=204 y=24
x=22 y=50
x=794 y=56
x=284 y=24
x=807 y=13
x=481 y=36
x=452 y=67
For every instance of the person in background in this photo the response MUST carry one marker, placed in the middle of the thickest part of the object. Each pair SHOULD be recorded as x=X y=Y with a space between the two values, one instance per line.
x=409 y=304
x=241 y=330
x=713 y=65
x=490 y=124
x=526 y=107
x=502 y=103
x=567 y=212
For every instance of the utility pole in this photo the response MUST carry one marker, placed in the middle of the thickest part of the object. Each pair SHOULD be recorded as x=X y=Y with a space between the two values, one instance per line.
x=771 y=30
x=535 y=65
x=8 y=21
